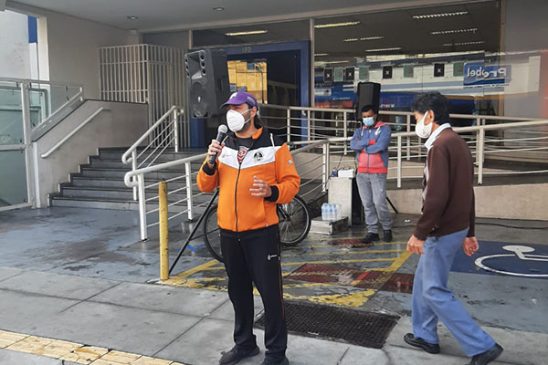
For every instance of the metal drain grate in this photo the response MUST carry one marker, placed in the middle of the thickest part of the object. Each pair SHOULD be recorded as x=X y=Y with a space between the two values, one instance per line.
x=340 y=324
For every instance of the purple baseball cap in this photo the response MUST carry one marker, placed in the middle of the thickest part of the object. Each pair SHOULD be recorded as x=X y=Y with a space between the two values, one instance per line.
x=241 y=97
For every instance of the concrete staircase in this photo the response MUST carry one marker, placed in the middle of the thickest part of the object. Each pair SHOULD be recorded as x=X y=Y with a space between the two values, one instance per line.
x=100 y=184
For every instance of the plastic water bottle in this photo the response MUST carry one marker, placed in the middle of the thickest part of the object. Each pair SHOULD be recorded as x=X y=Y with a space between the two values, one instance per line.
x=324 y=211
x=334 y=172
x=331 y=215
x=338 y=212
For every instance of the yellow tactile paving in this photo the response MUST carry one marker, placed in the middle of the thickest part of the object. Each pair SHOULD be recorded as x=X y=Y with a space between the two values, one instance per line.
x=118 y=357
x=75 y=352
x=9 y=338
x=86 y=354
x=151 y=361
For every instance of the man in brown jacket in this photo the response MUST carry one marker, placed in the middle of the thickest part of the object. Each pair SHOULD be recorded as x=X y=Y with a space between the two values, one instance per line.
x=446 y=225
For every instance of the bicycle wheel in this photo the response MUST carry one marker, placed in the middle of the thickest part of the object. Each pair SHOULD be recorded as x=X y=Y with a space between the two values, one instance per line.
x=212 y=235
x=294 y=221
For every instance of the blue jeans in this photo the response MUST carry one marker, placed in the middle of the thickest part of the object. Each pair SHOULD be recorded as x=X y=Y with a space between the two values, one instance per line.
x=433 y=301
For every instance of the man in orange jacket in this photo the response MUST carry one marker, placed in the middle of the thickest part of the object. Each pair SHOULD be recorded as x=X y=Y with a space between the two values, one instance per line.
x=254 y=171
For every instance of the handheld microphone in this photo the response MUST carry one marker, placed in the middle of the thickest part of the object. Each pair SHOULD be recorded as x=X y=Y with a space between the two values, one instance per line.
x=221 y=133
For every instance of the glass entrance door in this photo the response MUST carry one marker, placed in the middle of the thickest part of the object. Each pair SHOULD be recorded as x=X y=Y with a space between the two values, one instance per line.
x=14 y=191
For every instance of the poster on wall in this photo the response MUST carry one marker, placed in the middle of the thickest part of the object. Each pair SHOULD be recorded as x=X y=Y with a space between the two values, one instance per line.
x=330 y=92
x=479 y=74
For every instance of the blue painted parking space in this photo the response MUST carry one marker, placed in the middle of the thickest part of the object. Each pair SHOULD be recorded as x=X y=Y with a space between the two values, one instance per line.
x=511 y=259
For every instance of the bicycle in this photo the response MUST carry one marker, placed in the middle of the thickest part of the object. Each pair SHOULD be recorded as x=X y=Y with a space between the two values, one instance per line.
x=294 y=226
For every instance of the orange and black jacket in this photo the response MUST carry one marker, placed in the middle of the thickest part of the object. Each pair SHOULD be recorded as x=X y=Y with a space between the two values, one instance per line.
x=268 y=159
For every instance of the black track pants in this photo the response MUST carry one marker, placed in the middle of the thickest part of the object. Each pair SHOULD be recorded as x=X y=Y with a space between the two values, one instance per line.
x=254 y=257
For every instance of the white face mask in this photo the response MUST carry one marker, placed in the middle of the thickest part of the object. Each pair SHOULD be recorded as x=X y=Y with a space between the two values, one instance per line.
x=423 y=131
x=235 y=120
x=369 y=121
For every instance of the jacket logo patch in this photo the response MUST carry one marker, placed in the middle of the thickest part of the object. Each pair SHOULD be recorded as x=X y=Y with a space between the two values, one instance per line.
x=258 y=156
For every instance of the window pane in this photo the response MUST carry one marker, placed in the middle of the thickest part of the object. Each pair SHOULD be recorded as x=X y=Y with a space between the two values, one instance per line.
x=13 y=183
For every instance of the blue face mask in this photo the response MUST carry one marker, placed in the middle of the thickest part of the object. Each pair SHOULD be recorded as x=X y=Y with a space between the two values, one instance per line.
x=368 y=122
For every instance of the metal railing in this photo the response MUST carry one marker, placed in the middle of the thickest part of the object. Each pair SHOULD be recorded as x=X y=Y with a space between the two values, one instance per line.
x=73 y=132
x=61 y=112
x=28 y=104
x=44 y=96
x=163 y=134
x=186 y=199
x=315 y=156
x=304 y=123
x=136 y=179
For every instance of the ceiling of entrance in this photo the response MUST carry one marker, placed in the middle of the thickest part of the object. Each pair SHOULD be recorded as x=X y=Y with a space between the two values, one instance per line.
x=184 y=14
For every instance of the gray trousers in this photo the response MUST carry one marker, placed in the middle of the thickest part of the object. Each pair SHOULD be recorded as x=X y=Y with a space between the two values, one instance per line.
x=372 y=188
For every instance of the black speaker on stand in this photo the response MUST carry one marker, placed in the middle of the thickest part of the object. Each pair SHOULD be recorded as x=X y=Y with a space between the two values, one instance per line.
x=369 y=93
x=207 y=88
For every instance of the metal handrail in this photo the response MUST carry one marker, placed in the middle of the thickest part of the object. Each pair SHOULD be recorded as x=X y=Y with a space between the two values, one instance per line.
x=71 y=134
x=480 y=142
x=126 y=157
x=43 y=82
x=78 y=95
x=135 y=178
x=130 y=182
x=307 y=122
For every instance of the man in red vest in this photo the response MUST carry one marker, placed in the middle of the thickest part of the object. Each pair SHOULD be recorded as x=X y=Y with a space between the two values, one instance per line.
x=370 y=142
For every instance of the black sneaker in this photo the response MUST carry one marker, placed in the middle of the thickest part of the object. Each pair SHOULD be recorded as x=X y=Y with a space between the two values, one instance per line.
x=370 y=238
x=271 y=361
x=387 y=236
x=431 y=348
x=486 y=357
x=235 y=355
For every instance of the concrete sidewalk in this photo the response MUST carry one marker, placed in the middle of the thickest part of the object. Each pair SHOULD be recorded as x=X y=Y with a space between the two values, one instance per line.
x=81 y=276
x=190 y=326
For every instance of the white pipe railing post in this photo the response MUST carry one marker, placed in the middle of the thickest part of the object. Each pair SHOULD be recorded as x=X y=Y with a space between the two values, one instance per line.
x=27 y=141
x=309 y=123
x=288 y=116
x=188 y=179
x=481 y=149
x=176 y=129
x=133 y=168
x=478 y=146
x=408 y=129
x=345 y=132
x=325 y=168
x=399 y=166
x=142 y=207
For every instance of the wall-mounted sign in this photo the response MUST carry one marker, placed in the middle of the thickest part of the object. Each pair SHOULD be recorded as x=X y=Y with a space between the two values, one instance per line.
x=387 y=72
x=328 y=75
x=349 y=74
x=338 y=75
x=478 y=74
